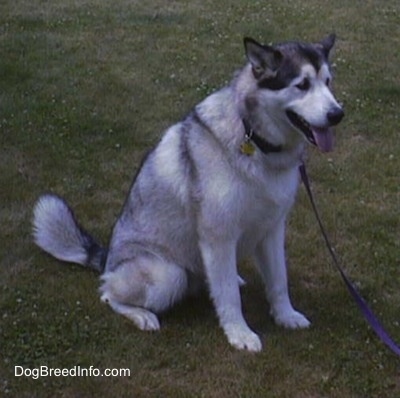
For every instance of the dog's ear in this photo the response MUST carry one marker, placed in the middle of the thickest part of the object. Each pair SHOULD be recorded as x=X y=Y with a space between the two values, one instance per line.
x=265 y=60
x=327 y=43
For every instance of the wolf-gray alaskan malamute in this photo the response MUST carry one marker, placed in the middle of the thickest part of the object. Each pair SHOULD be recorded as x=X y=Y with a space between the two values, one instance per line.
x=216 y=188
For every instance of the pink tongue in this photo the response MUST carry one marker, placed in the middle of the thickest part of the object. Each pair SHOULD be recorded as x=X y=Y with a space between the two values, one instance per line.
x=324 y=138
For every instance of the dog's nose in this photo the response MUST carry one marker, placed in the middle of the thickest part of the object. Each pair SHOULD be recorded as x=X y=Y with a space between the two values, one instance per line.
x=335 y=115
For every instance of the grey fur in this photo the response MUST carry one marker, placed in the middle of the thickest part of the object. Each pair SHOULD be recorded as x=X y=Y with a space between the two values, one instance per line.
x=200 y=203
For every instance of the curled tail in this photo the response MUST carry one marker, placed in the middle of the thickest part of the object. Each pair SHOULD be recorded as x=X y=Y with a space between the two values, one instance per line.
x=56 y=231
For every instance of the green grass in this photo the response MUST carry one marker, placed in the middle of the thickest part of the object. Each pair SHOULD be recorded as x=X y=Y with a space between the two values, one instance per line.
x=86 y=87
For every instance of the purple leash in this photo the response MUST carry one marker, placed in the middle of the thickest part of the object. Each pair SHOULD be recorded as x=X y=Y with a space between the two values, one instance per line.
x=362 y=304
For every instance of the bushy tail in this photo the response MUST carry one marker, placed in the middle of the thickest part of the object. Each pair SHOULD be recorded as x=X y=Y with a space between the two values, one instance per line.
x=56 y=231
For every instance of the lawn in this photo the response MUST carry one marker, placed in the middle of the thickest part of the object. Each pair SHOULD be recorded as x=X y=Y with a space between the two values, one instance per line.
x=86 y=88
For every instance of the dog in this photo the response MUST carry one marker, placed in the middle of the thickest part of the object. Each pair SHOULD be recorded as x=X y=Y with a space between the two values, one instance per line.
x=217 y=188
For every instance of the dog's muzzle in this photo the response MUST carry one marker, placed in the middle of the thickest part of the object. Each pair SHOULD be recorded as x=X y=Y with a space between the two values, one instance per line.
x=320 y=136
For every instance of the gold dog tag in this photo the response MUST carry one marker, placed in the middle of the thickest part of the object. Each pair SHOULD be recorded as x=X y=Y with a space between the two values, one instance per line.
x=247 y=148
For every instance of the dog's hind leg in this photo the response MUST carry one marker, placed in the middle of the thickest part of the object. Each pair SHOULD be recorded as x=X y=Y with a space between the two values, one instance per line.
x=143 y=287
x=142 y=318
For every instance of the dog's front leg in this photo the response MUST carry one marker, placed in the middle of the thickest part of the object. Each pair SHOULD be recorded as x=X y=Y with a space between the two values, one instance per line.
x=220 y=265
x=270 y=258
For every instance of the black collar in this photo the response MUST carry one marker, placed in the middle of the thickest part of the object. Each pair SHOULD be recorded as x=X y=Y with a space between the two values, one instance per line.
x=263 y=145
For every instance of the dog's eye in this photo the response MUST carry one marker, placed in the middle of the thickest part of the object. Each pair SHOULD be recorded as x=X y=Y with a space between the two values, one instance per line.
x=328 y=81
x=304 y=85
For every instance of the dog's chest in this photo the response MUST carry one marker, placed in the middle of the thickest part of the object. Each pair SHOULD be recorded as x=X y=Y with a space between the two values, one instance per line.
x=262 y=210
x=253 y=201
x=266 y=200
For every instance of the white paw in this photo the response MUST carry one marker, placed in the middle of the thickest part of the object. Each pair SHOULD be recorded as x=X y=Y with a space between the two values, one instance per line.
x=242 y=338
x=144 y=320
x=292 y=320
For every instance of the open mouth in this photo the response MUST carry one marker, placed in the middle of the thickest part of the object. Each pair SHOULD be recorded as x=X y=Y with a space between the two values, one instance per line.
x=322 y=137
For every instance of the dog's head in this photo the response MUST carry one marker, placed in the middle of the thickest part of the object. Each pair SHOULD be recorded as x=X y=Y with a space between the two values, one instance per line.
x=293 y=82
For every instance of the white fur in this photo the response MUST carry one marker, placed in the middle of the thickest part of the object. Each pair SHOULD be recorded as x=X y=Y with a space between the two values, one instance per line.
x=315 y=104
x=199 y=205
x=55 y=230
x=168 y=165
x=241 y=210
x=151 y=283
